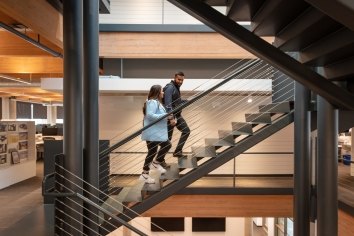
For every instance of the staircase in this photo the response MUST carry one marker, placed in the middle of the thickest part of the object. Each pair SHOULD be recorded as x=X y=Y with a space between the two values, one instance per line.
x=321 y=32
x=322 y=45
x=216 y=152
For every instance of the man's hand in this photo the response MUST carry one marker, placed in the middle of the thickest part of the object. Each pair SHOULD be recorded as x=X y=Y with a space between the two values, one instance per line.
x=172 y=120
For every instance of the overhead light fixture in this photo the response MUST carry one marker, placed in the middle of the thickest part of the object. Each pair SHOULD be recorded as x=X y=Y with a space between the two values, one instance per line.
x=52 y=104
x=14 y=79
x=249 y=100
x=30 y=40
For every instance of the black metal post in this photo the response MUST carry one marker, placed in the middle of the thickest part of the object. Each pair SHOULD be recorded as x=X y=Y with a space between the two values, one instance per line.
x=327 y=169
x=73 y=54
x=302 y=181
x=91 y=75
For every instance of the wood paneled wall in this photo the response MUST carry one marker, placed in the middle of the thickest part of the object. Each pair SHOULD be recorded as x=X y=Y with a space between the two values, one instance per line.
x=169 y=45
x=224 y=206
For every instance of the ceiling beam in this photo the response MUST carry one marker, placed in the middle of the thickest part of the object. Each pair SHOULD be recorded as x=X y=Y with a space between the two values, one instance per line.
x=339 y=10
x=289 y=66
x=12 y=45
x=37 y=15
x=31 y=65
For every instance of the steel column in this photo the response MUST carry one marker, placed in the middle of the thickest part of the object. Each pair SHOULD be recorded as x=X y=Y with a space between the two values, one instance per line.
x=302 y=181
x=91 y=162
x=327 y=169
x=73 y=54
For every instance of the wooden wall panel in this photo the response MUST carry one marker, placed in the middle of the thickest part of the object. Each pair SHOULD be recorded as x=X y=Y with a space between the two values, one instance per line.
x=31 y=65
x=169 y=45
x=224 y=206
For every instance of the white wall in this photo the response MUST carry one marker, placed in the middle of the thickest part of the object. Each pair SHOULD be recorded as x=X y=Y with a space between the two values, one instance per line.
x=120 y=116
x=147 y=12
x=26 y=168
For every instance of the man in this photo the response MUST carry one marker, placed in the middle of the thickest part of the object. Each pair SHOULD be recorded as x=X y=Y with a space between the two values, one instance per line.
x=172 y=99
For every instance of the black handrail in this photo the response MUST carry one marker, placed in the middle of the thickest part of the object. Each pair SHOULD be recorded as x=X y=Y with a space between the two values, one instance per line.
x=177 y=109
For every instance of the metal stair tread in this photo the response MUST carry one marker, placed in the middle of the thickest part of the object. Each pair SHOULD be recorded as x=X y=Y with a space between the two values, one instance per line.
x=155 y=187
x=203 y=151
x=218 y=142
x=171 y=173
x=243 y=127
x=134 y=193
x=259 y=118
x=281 y=107
x=187 y=163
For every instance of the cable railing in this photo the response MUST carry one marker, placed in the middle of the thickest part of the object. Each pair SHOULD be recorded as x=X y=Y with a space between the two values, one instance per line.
x=107 y=210
x=139 y=145
x=177 y=109
x=129 y=166
x=227 y=104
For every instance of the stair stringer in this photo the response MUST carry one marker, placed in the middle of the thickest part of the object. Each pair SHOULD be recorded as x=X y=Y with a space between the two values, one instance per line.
x=207 y=167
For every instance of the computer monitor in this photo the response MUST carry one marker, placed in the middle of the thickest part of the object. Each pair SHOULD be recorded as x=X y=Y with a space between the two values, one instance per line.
x=49 y=131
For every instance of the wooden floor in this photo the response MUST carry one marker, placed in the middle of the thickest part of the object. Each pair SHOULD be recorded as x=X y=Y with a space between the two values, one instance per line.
x=345 y=187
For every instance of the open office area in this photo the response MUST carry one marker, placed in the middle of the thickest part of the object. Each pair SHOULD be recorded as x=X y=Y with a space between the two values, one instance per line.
x=267 y=95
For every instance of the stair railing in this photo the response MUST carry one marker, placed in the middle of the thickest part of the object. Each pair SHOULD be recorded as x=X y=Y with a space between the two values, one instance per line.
x=131 y=167
x=177 y=109
x=108 y=211
x=265 y=74
x=251 y=72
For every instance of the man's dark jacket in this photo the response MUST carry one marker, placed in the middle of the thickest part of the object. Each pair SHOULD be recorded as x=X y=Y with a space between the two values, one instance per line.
x=172 y=97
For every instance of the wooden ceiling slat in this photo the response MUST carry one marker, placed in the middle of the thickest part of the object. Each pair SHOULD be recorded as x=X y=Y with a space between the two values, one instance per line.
x=31 y=65
x=37 y=15
x=12 y=45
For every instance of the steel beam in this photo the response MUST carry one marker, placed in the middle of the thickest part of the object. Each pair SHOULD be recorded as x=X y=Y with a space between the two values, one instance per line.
x=252 y=43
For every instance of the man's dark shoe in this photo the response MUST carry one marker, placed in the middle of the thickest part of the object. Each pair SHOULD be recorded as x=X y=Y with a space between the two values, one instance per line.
x=179 y=155
x=165 y=165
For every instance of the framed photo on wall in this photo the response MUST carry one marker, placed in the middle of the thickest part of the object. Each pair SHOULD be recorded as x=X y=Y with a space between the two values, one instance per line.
x=23 y=136
x=3 y=139
x=12 y=127
x=22 y=145
x=15 y=157
x=3 y=127
x=3 y=148
x=3 y=159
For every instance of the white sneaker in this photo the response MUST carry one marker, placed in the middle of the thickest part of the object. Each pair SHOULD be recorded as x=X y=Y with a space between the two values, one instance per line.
x=158 y=167
x=147 y=178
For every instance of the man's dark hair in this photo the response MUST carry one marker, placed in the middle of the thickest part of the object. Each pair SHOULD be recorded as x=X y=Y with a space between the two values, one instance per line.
x=180 y=73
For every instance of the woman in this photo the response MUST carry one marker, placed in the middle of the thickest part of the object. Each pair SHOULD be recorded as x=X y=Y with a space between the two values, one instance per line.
x=155 y=135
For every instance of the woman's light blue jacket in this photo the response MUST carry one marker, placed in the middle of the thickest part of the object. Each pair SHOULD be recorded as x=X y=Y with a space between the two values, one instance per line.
x=157 y=132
